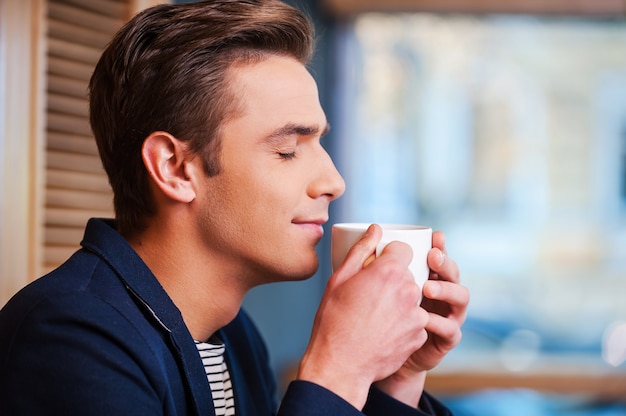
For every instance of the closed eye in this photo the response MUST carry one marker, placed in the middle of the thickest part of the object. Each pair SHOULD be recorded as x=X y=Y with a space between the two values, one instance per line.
x=287 y=156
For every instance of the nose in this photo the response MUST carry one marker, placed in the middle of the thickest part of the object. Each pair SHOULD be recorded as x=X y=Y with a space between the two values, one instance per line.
x=328 y=181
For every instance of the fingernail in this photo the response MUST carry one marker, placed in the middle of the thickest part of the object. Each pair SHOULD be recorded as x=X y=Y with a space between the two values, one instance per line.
x=442 y=257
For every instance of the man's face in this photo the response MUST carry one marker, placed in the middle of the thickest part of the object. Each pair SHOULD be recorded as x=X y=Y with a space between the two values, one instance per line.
x=262 y=215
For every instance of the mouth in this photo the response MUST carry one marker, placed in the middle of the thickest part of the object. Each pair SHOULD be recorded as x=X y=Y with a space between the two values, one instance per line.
x=315 y=221
x=314 y=226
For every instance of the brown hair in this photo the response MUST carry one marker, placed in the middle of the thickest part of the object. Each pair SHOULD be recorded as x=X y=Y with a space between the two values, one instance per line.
x=167 y=69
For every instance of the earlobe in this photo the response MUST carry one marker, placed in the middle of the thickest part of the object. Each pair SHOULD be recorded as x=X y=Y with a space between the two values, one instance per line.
x=166 y=159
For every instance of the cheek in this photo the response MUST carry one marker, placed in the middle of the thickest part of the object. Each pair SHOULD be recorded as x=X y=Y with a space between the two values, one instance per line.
x=253 y=203
x=268 y=192
x=263 y=196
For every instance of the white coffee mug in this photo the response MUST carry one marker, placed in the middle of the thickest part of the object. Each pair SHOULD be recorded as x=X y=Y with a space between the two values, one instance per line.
x=345 y=235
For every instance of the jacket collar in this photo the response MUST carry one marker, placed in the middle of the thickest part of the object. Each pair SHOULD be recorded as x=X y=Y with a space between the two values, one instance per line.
x=102 y=239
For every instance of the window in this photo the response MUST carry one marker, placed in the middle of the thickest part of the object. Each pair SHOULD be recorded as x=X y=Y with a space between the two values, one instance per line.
x=76 y=185
x=506 y=132
x=51 y=173
x=623 y=166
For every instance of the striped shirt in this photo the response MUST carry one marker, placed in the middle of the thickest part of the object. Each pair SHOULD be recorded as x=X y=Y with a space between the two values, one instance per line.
x=212 y=355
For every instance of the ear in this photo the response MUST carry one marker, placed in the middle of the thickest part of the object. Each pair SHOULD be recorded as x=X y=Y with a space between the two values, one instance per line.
x=166 y=160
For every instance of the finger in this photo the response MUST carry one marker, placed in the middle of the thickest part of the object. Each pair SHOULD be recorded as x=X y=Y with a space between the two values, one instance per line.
x=359 y=254
x=368 y=260
x=439 y=241
x=447 y=325
x=448 y=331
x=442 y=266
x=400 y=251
x=454 y=295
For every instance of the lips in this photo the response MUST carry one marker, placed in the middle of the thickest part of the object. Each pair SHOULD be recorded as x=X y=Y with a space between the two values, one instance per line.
x=315 y=225
x=303 y=221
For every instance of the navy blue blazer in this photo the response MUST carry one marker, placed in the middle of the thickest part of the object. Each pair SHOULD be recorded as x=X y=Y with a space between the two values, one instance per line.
x=100 y=336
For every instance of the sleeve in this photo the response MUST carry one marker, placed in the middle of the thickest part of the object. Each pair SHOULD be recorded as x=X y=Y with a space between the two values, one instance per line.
x=379 y=403
x=304 y=398
x=69 y=357
x=309 y=399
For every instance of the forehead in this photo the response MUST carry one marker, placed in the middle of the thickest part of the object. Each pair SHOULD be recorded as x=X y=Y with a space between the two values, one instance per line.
x=276 y=91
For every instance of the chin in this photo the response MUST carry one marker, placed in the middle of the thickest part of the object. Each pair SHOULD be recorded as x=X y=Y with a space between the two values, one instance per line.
x=288 y=273
x=303 y=271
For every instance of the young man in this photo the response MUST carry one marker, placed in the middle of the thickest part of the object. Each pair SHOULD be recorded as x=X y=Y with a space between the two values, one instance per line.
x=208 y=125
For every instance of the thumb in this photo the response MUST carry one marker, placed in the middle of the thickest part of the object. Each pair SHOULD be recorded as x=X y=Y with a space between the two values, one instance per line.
x=360 y=252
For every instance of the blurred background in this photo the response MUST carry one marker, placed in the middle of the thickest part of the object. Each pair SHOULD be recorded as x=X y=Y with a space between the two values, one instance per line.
x=504 y=125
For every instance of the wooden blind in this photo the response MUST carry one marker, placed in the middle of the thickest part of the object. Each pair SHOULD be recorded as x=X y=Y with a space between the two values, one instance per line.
x=76 y=185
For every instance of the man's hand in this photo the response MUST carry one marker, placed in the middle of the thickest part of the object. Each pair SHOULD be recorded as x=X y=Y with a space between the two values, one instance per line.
x=446 y=301
x=368 y=323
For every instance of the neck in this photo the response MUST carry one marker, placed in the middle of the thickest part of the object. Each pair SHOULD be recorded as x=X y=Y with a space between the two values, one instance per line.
x=204 y=290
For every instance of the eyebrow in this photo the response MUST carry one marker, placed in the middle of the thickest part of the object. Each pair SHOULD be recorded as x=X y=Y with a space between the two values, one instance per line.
x=296 y=129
